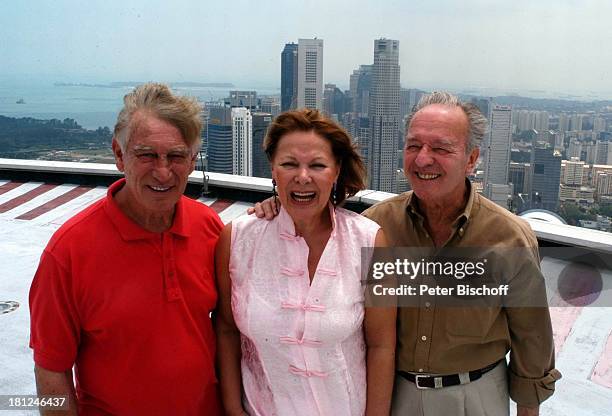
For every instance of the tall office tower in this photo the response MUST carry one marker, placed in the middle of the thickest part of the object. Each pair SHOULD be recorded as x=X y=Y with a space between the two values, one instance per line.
x=360 y=84
x=519 y=175
x=546 y=177
x=246 y=99
x=242 y=141
x=220 y=140
x=589 y=151
x=333 y=102
x=603 y=152
x=405 y=105
x=310 y=73
x=261 y=166
x=574 y=149
x=383 y=112
x=576 y=122
x=497 y=160
x=572 y=172
x=289 y=71
x=564 y=122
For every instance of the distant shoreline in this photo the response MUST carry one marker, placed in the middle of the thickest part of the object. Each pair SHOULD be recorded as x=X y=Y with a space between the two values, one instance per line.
x=123 y=84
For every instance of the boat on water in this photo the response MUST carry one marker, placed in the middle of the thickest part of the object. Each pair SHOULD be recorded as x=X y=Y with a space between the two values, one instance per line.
x=20 y=101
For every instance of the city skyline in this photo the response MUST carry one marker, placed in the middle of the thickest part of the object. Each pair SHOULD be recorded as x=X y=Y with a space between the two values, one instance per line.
x=548 y=46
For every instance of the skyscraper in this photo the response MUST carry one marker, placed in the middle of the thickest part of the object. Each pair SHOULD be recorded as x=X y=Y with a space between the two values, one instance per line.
x=546 y=178
x=497 y=159
x=310 y=73
x=220 y=158
x=360 y=84
x=383 y=112
x=261 y=166
x=289 y=68
x=242 y=141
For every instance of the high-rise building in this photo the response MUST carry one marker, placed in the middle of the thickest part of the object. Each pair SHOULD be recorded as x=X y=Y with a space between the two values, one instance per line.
x=246 y=99
x=546 y=164
x=564 y=122
x=310 y=73
x=519 y=175
x=242 y=141
x=599 y=124
x=383 y=112
x=574 y=149
x=261 y=166
x=497 y=159
x=270 y=105
x=289 y=70
x=576 y=122
x=360 y=84
x=603 y=152
x=333 y=102
x=572 y=172
x=220 y=157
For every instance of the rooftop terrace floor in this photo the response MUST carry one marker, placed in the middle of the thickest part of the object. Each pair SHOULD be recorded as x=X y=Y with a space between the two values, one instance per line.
x=31 y=211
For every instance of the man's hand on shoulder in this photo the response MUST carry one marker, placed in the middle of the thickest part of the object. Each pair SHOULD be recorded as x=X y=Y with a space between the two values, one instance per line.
x=527 y=411
x=266 y=209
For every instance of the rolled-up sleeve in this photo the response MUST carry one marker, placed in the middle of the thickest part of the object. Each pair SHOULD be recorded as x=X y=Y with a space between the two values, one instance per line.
x=532 y=374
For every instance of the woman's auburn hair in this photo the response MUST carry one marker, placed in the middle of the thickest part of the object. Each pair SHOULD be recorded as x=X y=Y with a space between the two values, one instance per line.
x=352 y=178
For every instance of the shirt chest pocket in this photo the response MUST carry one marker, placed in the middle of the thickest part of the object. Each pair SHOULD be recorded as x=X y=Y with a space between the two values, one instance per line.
x=469 y=323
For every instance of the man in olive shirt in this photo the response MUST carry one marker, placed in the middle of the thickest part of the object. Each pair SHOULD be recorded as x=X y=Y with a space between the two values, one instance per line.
x=465 y=345
x=451 y=360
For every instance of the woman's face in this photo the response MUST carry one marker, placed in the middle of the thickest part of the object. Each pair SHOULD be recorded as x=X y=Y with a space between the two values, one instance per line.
x=305 y=170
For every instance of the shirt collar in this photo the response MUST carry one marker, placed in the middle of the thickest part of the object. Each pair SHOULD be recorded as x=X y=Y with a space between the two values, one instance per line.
x=287 y=225
x=129 y=230
x=412 y=206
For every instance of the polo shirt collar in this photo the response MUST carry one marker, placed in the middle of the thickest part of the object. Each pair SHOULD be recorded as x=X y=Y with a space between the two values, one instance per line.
x=129 y=230
x=412 y=206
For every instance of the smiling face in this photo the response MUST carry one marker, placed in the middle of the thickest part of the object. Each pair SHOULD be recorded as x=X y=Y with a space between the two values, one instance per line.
x=435 y=158
x=305 y=170
x=156 y=163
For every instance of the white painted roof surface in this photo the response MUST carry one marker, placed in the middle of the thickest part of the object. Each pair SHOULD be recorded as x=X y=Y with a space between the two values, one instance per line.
x=583 y=336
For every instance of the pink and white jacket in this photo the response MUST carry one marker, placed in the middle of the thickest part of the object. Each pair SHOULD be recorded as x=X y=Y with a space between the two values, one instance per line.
x=303 y=348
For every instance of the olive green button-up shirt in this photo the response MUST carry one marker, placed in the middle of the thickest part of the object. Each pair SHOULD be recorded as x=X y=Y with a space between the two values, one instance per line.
x=448 y=340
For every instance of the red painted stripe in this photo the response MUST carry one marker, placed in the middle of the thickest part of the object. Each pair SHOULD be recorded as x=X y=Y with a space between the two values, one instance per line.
x=221 y=204
x=602 y=374
x=8 y=186
x=28 y=196
x=54 y=203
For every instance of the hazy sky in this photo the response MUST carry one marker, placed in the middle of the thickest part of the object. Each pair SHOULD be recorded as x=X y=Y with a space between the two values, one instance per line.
x=560 y=45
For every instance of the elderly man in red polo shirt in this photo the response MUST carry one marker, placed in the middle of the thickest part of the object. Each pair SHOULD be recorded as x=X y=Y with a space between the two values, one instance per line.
x=124 y=289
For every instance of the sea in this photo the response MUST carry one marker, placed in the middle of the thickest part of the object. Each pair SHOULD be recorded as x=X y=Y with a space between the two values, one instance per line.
x=92 y=106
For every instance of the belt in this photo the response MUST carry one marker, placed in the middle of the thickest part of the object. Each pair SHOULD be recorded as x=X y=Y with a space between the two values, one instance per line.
x=425 y=381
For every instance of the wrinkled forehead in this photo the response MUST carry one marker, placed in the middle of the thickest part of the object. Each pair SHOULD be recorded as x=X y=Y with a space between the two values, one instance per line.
x=145 y=126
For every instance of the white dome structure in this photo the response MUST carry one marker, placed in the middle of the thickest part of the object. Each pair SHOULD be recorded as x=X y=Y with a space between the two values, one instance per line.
x=542 y=215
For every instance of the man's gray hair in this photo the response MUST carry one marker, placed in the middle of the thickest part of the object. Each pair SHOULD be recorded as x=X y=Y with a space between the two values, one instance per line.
x=158 y=100
x=477 y=123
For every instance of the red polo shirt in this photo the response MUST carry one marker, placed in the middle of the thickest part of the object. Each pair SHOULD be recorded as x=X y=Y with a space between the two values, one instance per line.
x=131 y=310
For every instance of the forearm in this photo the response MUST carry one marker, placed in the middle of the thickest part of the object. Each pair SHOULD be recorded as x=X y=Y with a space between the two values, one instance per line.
x=230 y=379
x=51 y=383
x=527 y=411
x=380 y=370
